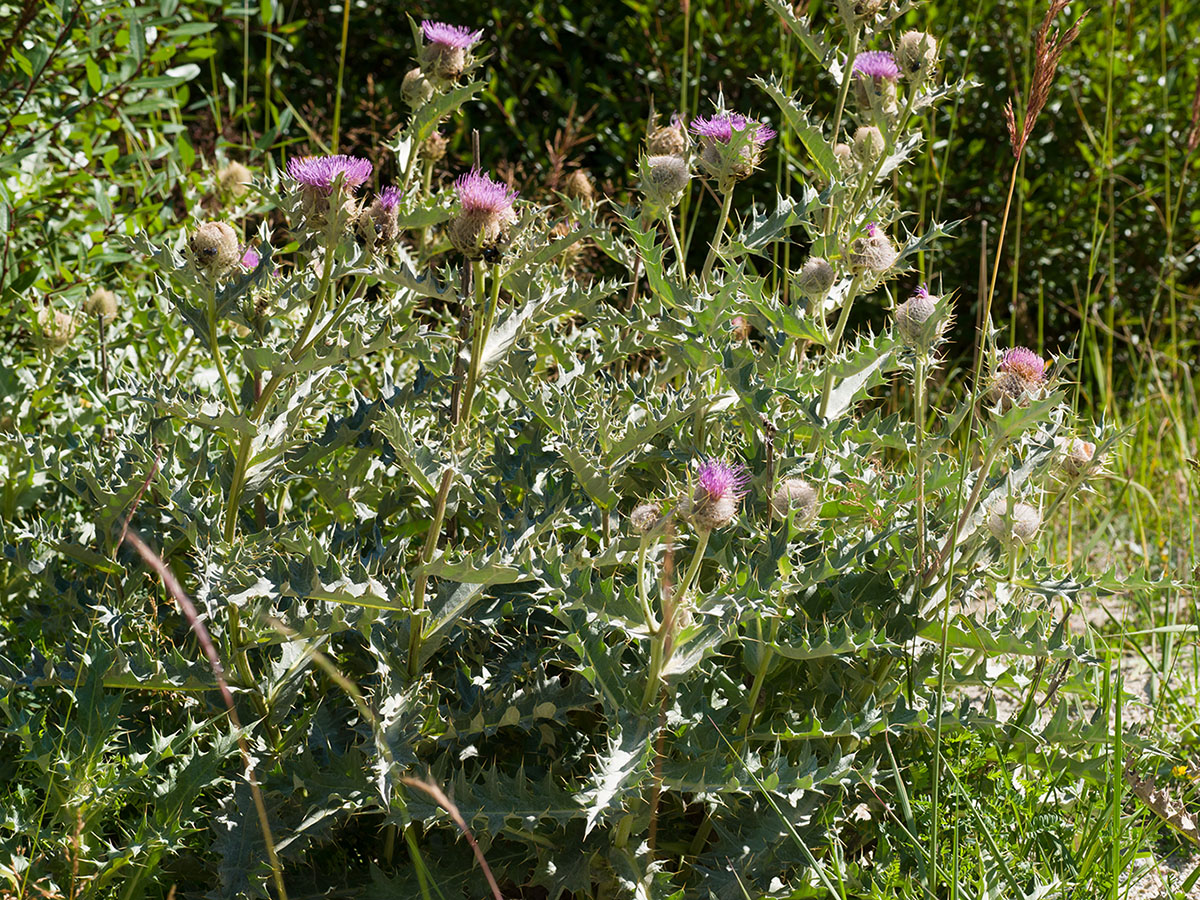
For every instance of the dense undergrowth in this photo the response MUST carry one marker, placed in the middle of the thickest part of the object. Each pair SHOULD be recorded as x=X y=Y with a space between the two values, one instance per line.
x=693 y=528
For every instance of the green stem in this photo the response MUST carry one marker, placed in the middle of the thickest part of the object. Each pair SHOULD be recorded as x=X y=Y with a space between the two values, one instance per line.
x=675 y=243
x=643 y=595
x=726 y=203
x=479 y=341
x=760 y=676
x=216 y=350
x=919 y=400
x=318 y=304
x=835 y=342
x=663 y=642
x=847 y=77
x=416 y=620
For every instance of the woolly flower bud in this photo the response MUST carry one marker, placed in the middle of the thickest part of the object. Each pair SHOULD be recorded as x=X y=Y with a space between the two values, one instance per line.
x=379 y=224
x=484 y=216
x=816 y=277
x=434 y=148
x=667 y=140
x=868 y=144
x=916 y=55
x=444 y=54
x=867 y=8
x=874 y=253
x=645 y=516
x=1019 y=375
x=845 y=157
x=103 y=303
x=233 y=179
x=664 y=179
x=214 y=249
x=1078 y=456
x=1019 y=525
x=719 y=489
x=578 y=186
x=740 y=328
x=416 y=89
x=731 y=146
x=56 y=328
x=795 y=494
x=915 y=320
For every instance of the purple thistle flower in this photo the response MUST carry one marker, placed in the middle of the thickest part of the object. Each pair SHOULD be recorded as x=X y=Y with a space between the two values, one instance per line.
x=450 y=35
x=479 y=194
x=319 y=172
x=872 y=229
x=1024 y=363
x=722 y=126
x=250 y=259
x=876 y=64
x=718 y=480
x=921 y=293
x=389 y=198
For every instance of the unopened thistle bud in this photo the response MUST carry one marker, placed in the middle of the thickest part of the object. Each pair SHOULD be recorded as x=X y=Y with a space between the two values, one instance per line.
x=731 y=146
x=845 y=157
x=667 y=140
x=916 y=322
x=485 y=214
x=1078 y=456
x=1018 y=377
x=866 y=8
x=416 y=89
x=214 y=249
x=719 y=491
x=798 y=495
x=434 y=148
x=740 y=328
x=233 y=179
x=444 y=55
x=1021 y=524
x=379 y=224
x=644 y=517
x=873 y=253
x=56 y=328
x=103 y=303
x=868 y=145
x=816 y=277
x=664 y=179
x=578 y=186
x=916 y=55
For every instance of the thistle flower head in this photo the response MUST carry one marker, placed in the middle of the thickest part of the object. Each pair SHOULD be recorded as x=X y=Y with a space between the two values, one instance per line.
x=449 y=35
x=868 y=144
x=416 y=89
x=645 y=516
x=916 y=55
x=318 y=173
x=916 y=322
x=668 y=140
x=798 y=495
x=434 y=148
x=250 y=259
x=485 y=213
x=876 y=64
x=56 y=328
x=444 y=56
x=727 y=159
x=1024 y=363
x=816 y=277
x=723 y=126
x=1078 y=456
x=389 y=198
x=233 y=179
x=664 y=179
x=103 y=303
x=874 y=253
x=1021 y=524
x=720 y=487
x=214 y=249
x=578 y=186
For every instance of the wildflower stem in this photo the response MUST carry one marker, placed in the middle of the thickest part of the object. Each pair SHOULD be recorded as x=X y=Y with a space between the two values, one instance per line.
x=760 y=676
x=663 y=642
x=643 y=596
x=318 y=303
x=417 y=618
x=484 y=318
x=836 y=340
x=919 y=400
x=726 y=203
x=675 y=243
x=847 y=77
x=216 y=350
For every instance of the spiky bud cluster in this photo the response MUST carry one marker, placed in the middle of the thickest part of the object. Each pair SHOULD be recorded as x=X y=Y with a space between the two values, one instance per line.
x=731 y=146
x=444 y=55
x=916 y=55
x=873 y=253
x=1019 y=376
x=56 y=328
x=798 y=496
x=667 y=140
x=214 y=249
x=485 y=213
x=664 y=179
x=868 y=145
x=645 y=517
x=416 y=89
x=1078 y=456
x=917 y=323
x=1020 y=524
x=102 y=303
x=719 y=491
x=816 y=277
x=233 y=179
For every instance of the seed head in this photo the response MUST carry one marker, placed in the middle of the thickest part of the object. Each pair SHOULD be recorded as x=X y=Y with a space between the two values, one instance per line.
x=667 y=140
x=873 y=253
x=645 y=516
x=416 y=89
x=865 y=9
x=233 y=179
x=444 y=55
x=317 y=174
x=664 y=179
x=103 y=303
x=816 y=277
x=916 y=55
x=719 y=490
x=916 y=323
x=868 y=144
x=578 y=186
x=1078 y=456
x=798 y=495
x=485 y=213
x=56 y=328
x=1021 y=524
x=214 y=249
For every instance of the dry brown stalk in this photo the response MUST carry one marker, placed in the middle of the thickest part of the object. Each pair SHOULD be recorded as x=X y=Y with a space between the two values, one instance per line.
x=1193 y=138
x=1048 y=49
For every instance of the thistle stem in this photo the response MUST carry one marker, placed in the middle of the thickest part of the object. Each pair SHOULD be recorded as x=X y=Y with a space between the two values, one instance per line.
x=679 y=260
x=663 y=642
x=216 y=350
x=479 y=340
x=726 y=203
x=847 y=77
x=919 y=400
x=417 y=618
x=836 y=340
